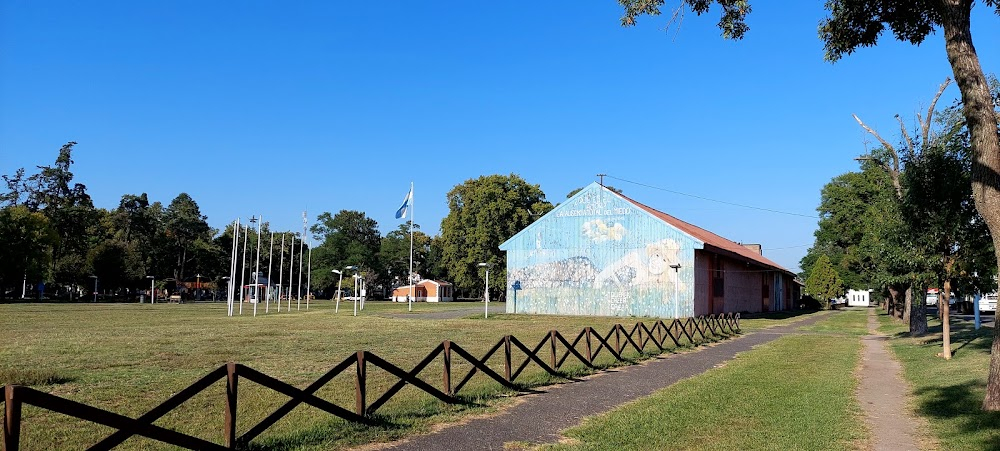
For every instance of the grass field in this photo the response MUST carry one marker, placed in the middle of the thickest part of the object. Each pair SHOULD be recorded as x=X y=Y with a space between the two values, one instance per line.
x=127 y=358
x=949 y=393
x=794 y=393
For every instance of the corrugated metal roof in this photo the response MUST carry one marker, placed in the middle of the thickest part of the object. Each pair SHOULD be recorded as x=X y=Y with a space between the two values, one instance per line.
x=721 y=245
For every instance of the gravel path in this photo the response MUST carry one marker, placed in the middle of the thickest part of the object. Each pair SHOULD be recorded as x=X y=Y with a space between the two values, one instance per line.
x=883 y=394
x=540 y=417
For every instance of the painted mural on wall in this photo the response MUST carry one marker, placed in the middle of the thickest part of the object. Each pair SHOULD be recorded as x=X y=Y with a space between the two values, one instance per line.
x=598 y=254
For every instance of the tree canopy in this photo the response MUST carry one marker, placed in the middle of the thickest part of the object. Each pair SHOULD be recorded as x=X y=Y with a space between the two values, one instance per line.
x=824 y=283
x=482 y=213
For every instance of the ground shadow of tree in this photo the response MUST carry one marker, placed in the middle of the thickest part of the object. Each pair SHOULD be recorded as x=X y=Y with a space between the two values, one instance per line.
x=961 y=403
x=964 y=338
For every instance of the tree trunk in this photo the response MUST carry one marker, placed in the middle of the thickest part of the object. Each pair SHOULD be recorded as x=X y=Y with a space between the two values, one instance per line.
x=918 y=314
x=945 y=321
x=890 y=303
x=907 y=304
x=982 y=123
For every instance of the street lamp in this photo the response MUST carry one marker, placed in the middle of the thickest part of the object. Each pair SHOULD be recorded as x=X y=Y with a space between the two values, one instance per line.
x=677 y=269
x=486 y=292
x=340 y=278
x=355 y=276
x=152 y=292
x=95 y=287
x=197 y=286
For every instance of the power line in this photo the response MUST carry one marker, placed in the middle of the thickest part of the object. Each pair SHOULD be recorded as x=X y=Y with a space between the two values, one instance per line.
x=714 y=200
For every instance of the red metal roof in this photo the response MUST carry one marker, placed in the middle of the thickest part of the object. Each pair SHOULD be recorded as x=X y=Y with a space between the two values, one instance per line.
x=712 y=241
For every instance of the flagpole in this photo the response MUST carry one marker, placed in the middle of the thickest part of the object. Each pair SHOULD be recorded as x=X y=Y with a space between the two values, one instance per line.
x=270 y=252
x=412 y=281
x=281 y=271
x=256 y=268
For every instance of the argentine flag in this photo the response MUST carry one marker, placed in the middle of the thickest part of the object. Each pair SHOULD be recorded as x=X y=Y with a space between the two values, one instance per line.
x=401 y=213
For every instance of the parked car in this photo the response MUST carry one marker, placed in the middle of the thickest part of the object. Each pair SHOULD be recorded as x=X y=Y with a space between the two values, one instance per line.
x=988 y=303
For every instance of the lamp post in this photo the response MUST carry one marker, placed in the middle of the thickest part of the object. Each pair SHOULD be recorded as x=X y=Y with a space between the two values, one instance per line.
x=677 y=269
x=95 y=286
x=197 y=285
x=24 y=288
x=229 y=292
x=152 y=288
x=486 y=292
x=355 y=276
x=340 y=277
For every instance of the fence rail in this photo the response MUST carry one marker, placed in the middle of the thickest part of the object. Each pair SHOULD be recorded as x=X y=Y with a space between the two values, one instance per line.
x=615 y=343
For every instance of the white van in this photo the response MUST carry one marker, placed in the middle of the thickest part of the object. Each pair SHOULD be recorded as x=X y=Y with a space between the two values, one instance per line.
x=988 y=303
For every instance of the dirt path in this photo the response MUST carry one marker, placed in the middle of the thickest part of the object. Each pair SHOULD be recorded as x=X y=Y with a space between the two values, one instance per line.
x=883 y=395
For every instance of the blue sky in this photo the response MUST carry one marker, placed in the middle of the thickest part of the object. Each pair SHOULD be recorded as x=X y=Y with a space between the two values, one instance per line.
x=278 y=107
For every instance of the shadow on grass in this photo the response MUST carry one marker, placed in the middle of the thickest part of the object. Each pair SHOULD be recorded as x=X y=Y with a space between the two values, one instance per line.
x=778 y=315
x=960 y=403
x=964 y=337
x=32 y=377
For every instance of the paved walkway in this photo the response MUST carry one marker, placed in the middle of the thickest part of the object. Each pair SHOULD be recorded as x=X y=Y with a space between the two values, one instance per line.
x=883 y=395
x=448 y=314
x=540 y=417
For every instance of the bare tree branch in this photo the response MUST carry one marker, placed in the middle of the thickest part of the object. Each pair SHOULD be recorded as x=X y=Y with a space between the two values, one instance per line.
x=910 y=150
x=926 y=124
x=892 y=170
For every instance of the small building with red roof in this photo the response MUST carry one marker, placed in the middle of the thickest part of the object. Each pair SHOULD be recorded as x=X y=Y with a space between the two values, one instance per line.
x=426 y=290
x=602 y=253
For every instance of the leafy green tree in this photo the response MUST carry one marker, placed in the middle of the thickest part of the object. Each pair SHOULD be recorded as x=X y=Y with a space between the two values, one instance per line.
x=27 y=239
x=187 y=232
x=860 y=23
x=483 y=213
x=395 y=253
x=824 y=282
x=349 y=238
x=70 y=211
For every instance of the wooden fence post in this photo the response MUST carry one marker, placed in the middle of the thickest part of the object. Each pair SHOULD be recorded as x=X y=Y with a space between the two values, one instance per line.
x=447 y=367
x=232 y=381
x=618 y=340
x=11 y=419
x=359 y=384
x=590 y=354
x=552 y=342
x=506 y=357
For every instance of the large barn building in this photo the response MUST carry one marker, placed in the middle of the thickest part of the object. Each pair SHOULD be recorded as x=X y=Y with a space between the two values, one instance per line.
x=601 y=253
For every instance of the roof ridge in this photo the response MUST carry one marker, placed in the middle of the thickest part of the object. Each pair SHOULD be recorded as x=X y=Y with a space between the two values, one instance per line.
x=707 y=236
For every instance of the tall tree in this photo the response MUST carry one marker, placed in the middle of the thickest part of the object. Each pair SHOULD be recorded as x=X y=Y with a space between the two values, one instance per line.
x=187 y=232
x=824 y=282
x=71 y=212
x=395 y=253
x=27 y=239
x=860 y=23
x=483 y=213
x=349 y=238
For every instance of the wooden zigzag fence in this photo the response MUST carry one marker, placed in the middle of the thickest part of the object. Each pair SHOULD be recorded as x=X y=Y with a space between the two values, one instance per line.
x=616 y=341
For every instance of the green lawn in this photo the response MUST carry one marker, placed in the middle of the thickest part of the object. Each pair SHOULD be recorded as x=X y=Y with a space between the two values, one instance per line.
x=128 y=358
x=949 y=393
x=794 y=393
